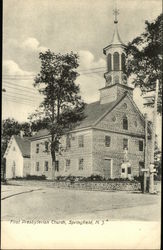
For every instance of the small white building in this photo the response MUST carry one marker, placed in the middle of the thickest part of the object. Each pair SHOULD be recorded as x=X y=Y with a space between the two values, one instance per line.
x=17 y=157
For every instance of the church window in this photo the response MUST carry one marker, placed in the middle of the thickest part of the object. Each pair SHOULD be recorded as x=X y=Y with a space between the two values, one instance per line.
x=37 y=166
x=14 y=149
x=81 y=164
x=125 y=105
x=123 y=170
x=57 y=166
x=81 y=141
x=68 y=142
x=135 y=123
x=116 y=79
x=123 y=66
x=140 y=145
x=37 y=148
x=125 y=144
x=46 y=145
x=125 y=123
x=107 y=141
x=116 y=60
x=113 y=118
x=68 y=164
x=129 y=170
x=46 y=165
x=109 y=62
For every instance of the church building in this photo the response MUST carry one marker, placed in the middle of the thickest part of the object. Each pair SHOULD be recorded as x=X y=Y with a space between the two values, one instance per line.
x=110 y=140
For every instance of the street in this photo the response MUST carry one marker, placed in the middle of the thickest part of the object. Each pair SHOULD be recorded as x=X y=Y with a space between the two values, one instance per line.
x=32 y=203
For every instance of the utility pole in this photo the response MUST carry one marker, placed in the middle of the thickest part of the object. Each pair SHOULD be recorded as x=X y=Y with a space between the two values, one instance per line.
x=151 y=168
x=146 y=154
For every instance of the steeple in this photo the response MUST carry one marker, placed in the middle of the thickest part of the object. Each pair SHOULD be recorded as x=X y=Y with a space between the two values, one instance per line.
x=116 y=79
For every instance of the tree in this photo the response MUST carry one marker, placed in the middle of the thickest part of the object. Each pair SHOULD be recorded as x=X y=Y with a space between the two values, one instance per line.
x=62 y=106
x=144 y=58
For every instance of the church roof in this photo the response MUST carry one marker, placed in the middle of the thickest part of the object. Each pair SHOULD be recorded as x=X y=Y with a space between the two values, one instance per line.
x=24 y=145
x=95 y=110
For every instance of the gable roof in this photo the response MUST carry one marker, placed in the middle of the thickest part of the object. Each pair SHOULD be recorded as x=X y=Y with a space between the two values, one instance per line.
x=40 y=133
x=24 y=145
x=94 y=112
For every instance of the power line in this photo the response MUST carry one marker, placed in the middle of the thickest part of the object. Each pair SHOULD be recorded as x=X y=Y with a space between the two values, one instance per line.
x=30 y=75
x=25 y=95
x=17 y=85
x=25 y=103
x=26 y=99
x=21 y=91
x=15 y=88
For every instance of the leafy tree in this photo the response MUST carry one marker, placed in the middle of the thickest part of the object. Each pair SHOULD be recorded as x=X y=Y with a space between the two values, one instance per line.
x=144 y=58
x=62 y=106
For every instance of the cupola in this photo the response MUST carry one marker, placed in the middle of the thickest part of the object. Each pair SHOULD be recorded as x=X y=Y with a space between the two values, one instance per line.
x=115 y=76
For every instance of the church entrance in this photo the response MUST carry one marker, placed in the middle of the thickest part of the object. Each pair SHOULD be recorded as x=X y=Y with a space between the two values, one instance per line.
x=108 y=168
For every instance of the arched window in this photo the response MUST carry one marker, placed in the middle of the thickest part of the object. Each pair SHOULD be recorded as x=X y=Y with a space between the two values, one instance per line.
x=116 y=60
x=109 y=62
x=123 y=65
x=125 y=123
x=116 y=79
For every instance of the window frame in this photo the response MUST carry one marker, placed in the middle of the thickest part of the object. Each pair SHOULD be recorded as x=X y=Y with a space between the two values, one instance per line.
x=57 y=166
x=46 y=146
x=109 y=144
x=68 y=164
x=81 y=141
x=125 y=123
x=37 y=166
x=46 y=166
x=68 y=142
x=81 y=164
x=127 y=140
x=129 y=172
x=37 y=148
x=116 y=61
x=141 y=145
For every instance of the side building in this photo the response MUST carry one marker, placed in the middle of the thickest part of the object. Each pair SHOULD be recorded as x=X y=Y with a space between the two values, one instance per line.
x=17 y=155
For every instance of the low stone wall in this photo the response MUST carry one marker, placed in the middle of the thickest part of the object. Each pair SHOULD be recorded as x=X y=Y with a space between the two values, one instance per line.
x=100 y=186
x=92 y=185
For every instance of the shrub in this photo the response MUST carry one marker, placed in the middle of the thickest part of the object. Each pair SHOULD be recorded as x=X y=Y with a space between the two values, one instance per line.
x=35 y=177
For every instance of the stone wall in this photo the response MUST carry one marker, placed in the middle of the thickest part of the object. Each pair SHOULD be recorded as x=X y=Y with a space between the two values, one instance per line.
x=92 y=185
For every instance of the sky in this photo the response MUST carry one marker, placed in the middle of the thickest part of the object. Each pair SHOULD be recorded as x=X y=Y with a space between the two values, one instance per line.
x=82 y=26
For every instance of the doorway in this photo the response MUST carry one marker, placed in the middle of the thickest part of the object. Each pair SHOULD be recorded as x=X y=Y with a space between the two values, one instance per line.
x=108 y=168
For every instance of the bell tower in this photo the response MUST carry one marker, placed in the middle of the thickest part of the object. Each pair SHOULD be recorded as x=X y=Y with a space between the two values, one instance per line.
x=115 y=76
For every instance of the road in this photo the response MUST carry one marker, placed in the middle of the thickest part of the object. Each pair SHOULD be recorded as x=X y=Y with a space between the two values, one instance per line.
x=33 y=203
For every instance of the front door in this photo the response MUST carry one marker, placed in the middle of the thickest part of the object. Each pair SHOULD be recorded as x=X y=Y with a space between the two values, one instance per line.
x=108 y=168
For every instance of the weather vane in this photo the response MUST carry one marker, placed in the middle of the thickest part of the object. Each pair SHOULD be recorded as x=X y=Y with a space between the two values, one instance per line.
x=115 y=13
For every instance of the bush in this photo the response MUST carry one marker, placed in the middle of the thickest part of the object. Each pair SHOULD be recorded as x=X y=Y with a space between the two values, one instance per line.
x=19 y=178
x=138 y=178
x=35 y=177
